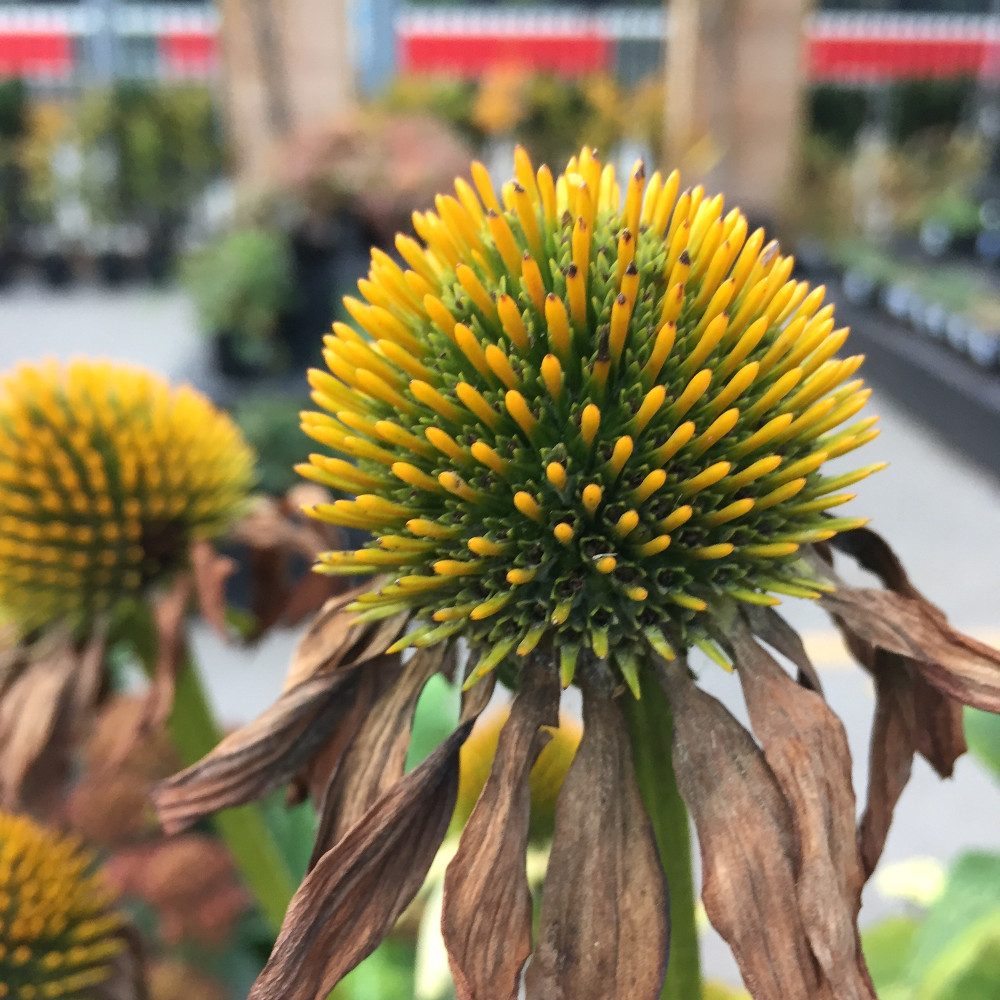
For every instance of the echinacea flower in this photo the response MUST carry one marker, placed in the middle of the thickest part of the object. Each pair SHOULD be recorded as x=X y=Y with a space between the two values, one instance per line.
x=59 y=934
x=107 y=476
x=586 y=429
x=111 y=484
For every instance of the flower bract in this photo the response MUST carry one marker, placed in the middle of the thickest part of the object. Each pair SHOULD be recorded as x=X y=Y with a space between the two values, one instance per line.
x=583 y=416
x=58 y=937
x=107 y=474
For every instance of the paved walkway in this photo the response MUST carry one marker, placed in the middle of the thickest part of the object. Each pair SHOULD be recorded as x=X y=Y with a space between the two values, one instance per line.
x=939 y=511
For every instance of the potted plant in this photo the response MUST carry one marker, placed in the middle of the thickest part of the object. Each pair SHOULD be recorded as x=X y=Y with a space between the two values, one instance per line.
x=241 y=284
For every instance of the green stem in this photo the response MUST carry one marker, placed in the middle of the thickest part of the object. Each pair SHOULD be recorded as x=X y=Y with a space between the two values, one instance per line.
x=650 y=725
x=195 y=732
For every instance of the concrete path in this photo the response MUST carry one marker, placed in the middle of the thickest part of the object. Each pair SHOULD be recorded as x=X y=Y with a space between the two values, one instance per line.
x=940 y=512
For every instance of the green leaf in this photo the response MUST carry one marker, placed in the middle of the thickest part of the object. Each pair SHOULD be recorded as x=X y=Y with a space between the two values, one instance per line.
x=887 y=950
x=960 y=929
x=434 y=719
x=982 y=732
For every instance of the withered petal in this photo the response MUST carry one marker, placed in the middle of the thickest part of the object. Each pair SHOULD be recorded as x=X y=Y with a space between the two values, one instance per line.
x=956 y=664
x=604 y=926
x=50 y=690
x=486 y=920
x=806 y=747
x=262 y=755
x=746 y=831
x=128 y=969
x=940 y=732
x=769 y=626
x=352 y=897
x=334 y=637
x=211 y=571
x=377 y=757
x=890 y=759
x=282 y=741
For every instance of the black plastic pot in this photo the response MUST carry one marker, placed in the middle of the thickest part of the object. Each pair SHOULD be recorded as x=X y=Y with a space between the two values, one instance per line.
x=113 y=268
x=56 y=270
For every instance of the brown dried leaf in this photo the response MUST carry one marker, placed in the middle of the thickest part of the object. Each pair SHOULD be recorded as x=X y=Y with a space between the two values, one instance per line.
x=377 y=757
x=958 y=665
x=604 y=926
x=211 y=571
x=890 y=760
x=352 y=897
x=748 y=847
x=128 y=970
x=487 y=901
x=806 y=747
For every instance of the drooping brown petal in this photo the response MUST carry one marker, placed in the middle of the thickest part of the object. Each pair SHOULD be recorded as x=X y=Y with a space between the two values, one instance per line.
x=169 y=611
x=768 y=625
x=47 y=693
x=806 y=747
x=280 y=539
x=749 y=854
x=960 y=666
x=940 y=729
x=487 y=902
x=334 y=636
x=128 y=970
x=873 y=553
x=890 y=759
x=270 y=751
x=604 y=927
x=211 y=571
x=377 y=757
x=353 y=896
x=265 y=753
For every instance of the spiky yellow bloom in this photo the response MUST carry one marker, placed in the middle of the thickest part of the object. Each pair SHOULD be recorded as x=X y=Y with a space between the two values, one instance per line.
x=107 y=473
x=583 y=418
x=58 y=935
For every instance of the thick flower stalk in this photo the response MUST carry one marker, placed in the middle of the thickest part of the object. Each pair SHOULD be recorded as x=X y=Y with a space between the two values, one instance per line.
x=107 y=476
x=583 y=422
x=59 y=936
x=586 y=429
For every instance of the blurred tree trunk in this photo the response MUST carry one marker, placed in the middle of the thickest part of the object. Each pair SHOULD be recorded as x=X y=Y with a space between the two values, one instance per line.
x=286 y=65
x=735 y=88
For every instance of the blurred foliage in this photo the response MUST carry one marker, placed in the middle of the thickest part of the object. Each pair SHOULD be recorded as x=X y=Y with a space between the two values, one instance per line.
x=270 y=424
x=241 y=281
x=147 y=149
x=951 y=951
x=552 y=116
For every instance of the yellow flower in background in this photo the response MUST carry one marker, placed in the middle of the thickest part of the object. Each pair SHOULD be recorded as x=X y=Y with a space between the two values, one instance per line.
x=584 y=421
x=58 y=933
x=107 y=474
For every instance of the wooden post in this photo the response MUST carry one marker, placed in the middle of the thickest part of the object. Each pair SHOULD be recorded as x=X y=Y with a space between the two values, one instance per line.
x=735 y=81
x=286 y=65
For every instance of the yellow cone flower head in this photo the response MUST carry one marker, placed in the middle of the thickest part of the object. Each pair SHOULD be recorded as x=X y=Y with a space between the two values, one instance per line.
x=107 y=473
x=58 y=937
x=583 y=417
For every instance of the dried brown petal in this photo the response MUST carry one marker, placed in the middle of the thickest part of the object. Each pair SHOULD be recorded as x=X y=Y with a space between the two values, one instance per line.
x=377 y=757
x=353 y=896
x=281 y=742
x=604 y=924
x=893 y=742
x=768 y=625
x=806 y=747
x=128 y=970
x=50 y=689
x=748 y=846
x=487 y=902
x=958 y=665
x=211 y=571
